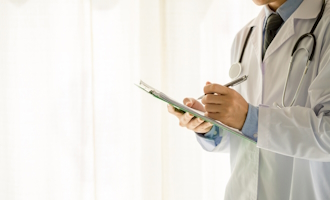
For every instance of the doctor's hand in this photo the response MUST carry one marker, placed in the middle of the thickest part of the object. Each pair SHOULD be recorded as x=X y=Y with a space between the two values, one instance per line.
x=189 y=121
x=225 y=105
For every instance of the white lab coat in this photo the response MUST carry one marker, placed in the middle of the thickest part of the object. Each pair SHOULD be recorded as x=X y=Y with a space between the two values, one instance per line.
x=291 y=160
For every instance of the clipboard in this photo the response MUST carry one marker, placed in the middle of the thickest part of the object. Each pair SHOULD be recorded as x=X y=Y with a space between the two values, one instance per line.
x=183 y=108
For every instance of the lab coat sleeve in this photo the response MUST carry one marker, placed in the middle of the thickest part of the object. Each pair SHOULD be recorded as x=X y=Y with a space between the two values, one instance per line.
x=299 y=131
x=217 y=144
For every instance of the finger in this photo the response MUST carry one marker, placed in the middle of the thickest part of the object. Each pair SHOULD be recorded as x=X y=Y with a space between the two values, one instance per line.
x=208 y=83
x=185 y=119
x=213 y=99
x=217 y=116
x=194 y=123
x=193 y=103
x=203 y=127
x=215 y=88
x=172 y=110
x=215 y=108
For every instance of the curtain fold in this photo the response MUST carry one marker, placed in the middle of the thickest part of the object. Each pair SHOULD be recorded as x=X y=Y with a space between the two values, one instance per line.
x=46 y=137
x=72 y=123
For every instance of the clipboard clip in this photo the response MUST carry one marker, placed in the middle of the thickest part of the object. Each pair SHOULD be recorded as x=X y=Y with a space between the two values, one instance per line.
x=146 y=87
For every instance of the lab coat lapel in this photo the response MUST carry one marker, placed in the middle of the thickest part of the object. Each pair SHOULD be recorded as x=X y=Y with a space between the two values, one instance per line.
x=256 y=36
x=308 y=9
x=286 y=31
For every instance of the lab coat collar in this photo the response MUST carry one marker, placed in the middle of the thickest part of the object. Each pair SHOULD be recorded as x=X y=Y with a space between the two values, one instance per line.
x=308 y=9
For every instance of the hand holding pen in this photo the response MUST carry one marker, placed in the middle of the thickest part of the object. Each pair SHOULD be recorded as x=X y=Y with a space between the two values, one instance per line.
x=224 y=104
x=221 y=103
x=231 y=84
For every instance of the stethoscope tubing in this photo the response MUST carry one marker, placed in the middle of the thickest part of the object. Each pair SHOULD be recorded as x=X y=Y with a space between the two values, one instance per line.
x=293 y=53
x=301 y=79
x=310 y=57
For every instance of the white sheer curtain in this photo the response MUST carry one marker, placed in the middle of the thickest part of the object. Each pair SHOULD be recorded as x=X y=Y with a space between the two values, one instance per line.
x=73 y=125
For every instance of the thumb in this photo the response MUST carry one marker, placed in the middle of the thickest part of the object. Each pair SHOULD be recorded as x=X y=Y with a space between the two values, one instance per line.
x=208 y=83
x=189 y=102
x=193 y=103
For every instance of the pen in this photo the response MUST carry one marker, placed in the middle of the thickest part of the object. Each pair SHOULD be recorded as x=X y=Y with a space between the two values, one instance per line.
x=232 y=83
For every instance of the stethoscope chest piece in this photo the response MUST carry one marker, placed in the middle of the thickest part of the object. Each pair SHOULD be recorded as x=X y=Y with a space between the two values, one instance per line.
x=235 y=70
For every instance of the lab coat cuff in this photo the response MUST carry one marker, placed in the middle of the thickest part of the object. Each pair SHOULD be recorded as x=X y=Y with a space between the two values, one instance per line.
x=263 y=133
x=210 y=139
x=206 y=143
x=210 y=134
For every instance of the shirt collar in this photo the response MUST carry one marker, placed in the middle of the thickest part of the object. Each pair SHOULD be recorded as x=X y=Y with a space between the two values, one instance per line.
x=285 y=10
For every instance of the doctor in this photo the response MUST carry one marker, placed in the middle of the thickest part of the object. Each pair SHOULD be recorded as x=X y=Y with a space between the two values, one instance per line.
x=291 y=159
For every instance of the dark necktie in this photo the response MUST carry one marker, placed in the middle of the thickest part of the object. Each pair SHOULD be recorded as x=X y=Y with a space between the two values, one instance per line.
x=274 y=22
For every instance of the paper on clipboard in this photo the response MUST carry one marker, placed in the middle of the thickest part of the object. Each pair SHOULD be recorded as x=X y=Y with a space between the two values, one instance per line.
x=142 y=85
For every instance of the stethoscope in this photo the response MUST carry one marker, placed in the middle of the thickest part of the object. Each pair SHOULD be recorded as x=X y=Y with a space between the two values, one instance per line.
x=236 y=69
